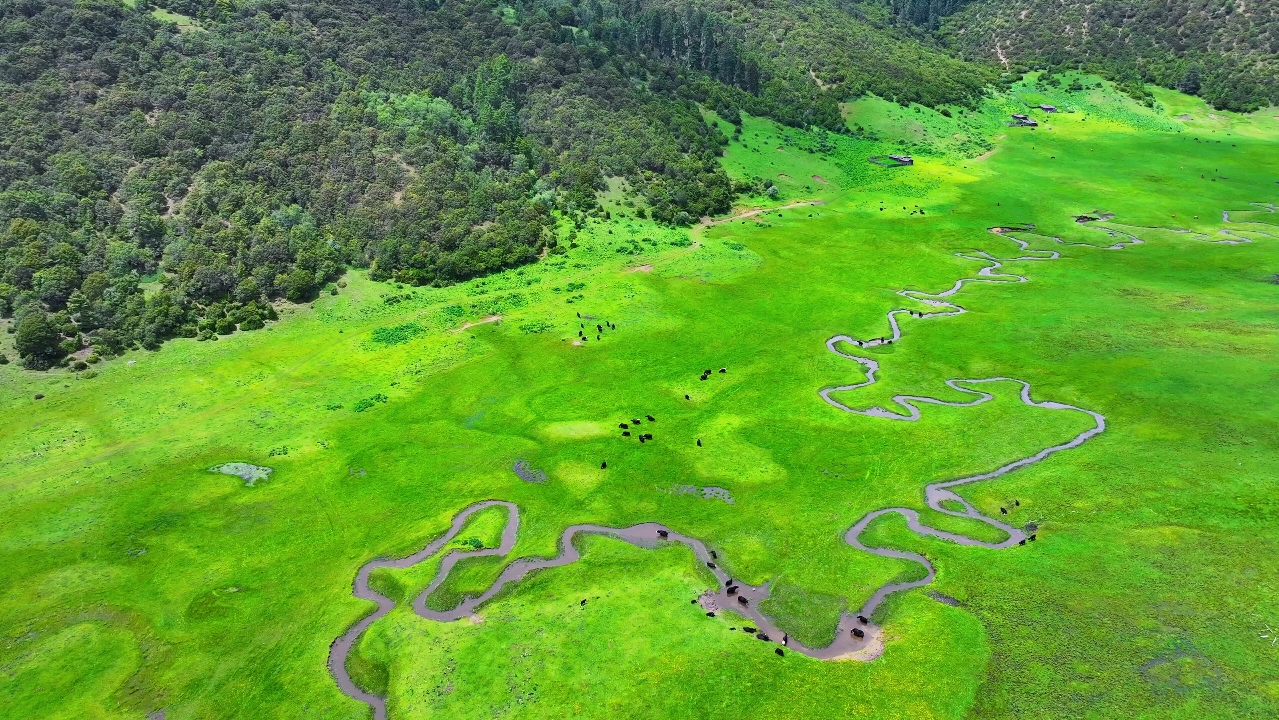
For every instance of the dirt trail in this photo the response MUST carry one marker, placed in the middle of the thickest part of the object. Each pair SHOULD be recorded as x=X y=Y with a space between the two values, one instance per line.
x=708 y=222
x=481 y=321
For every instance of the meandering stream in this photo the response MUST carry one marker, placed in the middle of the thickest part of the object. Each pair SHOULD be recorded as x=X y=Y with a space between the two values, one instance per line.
x=744 y=599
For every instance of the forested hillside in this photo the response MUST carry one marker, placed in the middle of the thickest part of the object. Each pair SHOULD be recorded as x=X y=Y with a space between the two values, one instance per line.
x=1226 y=51
x=236 y=151
x=170 y=171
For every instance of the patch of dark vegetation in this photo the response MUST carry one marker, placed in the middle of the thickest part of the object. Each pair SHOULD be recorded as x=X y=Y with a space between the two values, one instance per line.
x=388 y=584
x=371 y=675
x=397 y=334
x=366 y=403
x=944 y=599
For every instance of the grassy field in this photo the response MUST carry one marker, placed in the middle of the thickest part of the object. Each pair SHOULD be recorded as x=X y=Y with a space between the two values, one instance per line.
x=136 y=580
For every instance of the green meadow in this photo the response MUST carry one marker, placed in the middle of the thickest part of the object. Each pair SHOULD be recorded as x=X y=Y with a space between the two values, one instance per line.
x=136 y=580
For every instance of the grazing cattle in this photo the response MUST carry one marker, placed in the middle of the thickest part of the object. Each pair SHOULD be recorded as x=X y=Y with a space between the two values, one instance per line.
x=706 y=372
x=597 y=337
x=762 y=636
x=642 y=438
x=1023 y=542
x=604 y=465
x=710 y=565
x=583 y=601
x=579 y=314
x=1032 y=537
x=786 y=639
x=699 y=442
x=749 y=629
x=732 y=590
x=651 y=418
x=728 y=582
x=626 y=433
x=599 y=328
x=714 y=556
x=686 y=397
x=694 y=601
x=743 y=600
x=862 y=619
x=723 y=370
x=779 y=650
x=703 y=377
x=623 y=425
x=710 y=614
x=1003 y=511
x=857 y=633
x=650 y=436
x=1017 y=503
x=662 y=533
x=635 y=422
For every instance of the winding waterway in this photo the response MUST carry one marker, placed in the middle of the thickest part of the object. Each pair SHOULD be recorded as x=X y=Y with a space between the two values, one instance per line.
x=744 y=599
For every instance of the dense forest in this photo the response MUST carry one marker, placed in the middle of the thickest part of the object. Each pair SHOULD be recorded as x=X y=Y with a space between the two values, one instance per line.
x=171 y=171
x=1226 y=51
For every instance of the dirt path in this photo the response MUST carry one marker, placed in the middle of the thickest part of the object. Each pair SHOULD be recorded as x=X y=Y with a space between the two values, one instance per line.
x=481 y=321
x=708 y=222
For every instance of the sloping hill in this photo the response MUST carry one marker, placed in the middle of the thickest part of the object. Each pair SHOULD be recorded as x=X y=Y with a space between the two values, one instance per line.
x=1225 y=51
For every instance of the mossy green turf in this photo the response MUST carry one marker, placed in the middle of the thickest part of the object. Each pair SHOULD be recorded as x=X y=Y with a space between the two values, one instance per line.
x=137 y=580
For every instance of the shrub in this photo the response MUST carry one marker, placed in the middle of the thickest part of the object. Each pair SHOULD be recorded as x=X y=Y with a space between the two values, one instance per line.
x=299 y=285
x=397 y=334
x=367 y=403
x=536 y=326
x=37 y=339
x=225 y=326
